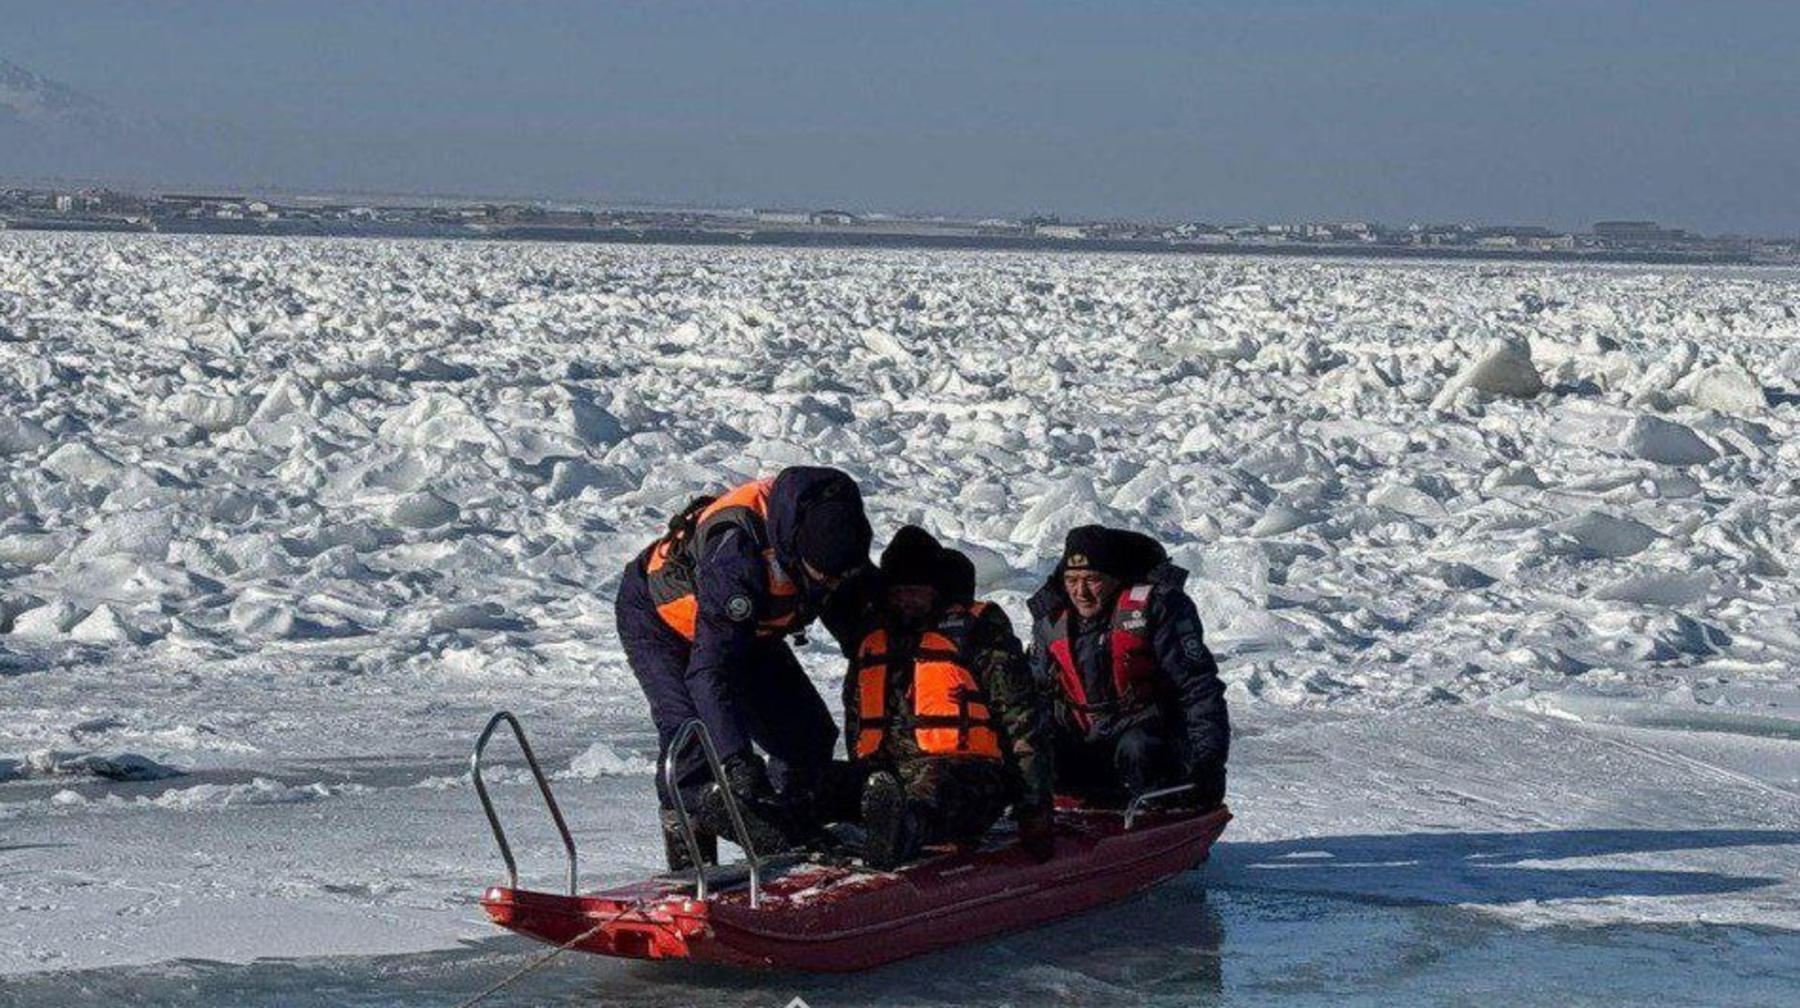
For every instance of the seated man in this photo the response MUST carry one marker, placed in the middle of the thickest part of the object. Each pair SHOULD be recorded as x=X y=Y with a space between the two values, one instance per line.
x=1118 y=644
x=941 y=715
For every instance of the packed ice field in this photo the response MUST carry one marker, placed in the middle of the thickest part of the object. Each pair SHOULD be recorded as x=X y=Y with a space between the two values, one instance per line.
x=1498 y=562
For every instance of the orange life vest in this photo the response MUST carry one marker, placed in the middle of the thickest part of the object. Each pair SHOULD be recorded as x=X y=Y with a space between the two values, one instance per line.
x=949 y=714
x=1133 y=659
x=670 y=562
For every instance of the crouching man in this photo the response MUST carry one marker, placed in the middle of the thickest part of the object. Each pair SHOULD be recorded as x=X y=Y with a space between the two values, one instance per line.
x=942 y=718
x=1138 y=701
x=704 y=613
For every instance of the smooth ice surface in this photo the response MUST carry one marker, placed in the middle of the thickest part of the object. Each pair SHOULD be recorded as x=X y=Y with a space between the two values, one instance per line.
x=1498 y=562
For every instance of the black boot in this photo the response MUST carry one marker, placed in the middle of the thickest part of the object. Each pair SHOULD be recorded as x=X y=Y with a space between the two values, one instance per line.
x=676 y=851
x=890 y=833
x=767 y=834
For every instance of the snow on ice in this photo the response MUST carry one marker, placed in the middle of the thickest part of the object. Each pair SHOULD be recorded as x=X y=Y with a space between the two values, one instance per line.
x=1486 y=552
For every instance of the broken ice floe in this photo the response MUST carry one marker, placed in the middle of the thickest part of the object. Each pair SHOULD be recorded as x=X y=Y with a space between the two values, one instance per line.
x=115 y=766
x=434 y=462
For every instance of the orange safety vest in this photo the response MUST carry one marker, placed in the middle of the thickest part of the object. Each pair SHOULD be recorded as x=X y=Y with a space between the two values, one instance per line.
x=1133 y=658
x=950 y=715
x=670 y=562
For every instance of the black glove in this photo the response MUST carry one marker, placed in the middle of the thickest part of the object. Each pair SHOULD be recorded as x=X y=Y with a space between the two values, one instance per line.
x=1208 y=778
x=747 y=778
x=1037 y=833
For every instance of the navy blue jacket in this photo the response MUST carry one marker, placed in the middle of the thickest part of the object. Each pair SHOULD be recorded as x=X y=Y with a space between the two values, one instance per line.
x=732 y=569
x=1194 y=704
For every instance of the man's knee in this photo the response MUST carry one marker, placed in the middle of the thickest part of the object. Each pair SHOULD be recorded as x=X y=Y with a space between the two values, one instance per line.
x=1144 y=759
x=665 y=687
x=1139 y=748
x=954 y=802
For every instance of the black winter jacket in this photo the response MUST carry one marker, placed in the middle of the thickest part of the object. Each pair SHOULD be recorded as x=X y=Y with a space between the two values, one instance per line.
x=1194 y=702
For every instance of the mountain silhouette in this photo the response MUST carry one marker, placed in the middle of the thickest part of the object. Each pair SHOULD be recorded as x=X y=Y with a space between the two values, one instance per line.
x=32 y=100
x=51 y=130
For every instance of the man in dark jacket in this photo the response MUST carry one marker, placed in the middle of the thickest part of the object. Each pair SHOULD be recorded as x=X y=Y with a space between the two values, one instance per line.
x=703 y=614
x=943 y=721
x=1139 y=705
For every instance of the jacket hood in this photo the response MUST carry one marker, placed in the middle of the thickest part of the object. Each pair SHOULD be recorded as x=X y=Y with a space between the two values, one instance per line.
x=795 y=489
x=1165 y=576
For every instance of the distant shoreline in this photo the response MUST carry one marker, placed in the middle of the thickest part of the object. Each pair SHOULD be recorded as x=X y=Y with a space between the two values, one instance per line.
x=839 y=238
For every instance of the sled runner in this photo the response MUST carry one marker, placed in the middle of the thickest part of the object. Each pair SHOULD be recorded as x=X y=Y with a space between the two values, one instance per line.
x=823 y=915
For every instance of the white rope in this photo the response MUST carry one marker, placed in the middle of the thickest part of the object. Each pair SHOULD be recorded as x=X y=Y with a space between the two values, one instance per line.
x=546 y=957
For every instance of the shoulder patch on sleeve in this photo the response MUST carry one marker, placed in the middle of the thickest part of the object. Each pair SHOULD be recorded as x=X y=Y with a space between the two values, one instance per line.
x=1191 y=646
x=739 y=608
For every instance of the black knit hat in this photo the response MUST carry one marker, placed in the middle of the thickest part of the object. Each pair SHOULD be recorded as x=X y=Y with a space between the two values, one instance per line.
x=1092 y=547
x=834 y=536
x=1118 y=553
x=912 y=558
x=956 y=576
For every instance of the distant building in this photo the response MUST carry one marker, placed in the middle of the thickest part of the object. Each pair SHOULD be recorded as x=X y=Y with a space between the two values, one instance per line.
x=1520 y=231
x=784 y=216
x=1335 y=232
x=998 y=226
x=838 y=218
x=1440 y=234
x=1639 y=230
x=199 y=200
x=1639 y=233
x=1204 y=234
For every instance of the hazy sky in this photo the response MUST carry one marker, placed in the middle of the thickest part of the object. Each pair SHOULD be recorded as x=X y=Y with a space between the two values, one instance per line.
x=1551 y=111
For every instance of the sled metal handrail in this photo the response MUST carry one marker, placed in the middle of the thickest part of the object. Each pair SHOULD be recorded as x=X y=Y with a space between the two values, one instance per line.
x=487 y=804
x=1138 y=802
x=691 y=732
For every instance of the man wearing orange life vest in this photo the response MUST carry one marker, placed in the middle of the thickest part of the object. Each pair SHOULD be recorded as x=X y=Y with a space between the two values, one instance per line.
x=703 y=614
x=1138 y=701
x=941 y=716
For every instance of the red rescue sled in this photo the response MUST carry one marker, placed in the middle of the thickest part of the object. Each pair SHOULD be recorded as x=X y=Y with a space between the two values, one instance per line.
x=827 y=917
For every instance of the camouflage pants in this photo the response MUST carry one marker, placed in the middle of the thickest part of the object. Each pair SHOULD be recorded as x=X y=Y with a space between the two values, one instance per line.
x=954 y=799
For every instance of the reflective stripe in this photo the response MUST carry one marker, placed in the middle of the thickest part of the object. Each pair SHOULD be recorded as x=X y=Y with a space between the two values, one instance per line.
x=1132 y=659
x=949 y=714
x=669 y=563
